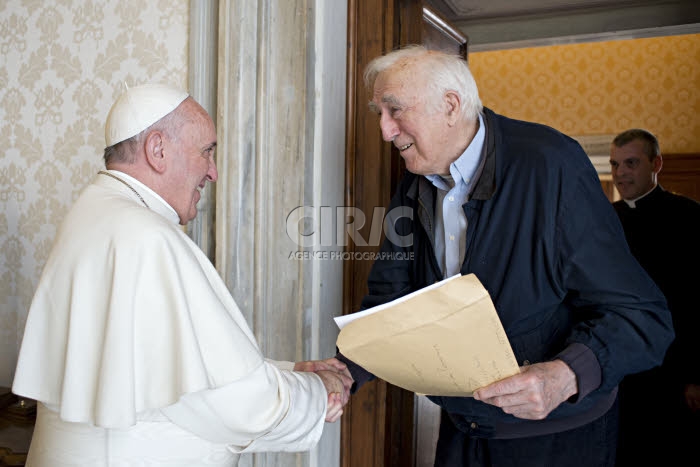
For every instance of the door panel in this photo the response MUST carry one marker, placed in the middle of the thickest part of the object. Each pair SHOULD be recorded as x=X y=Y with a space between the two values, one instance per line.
x=681 y=174
x=377 y=426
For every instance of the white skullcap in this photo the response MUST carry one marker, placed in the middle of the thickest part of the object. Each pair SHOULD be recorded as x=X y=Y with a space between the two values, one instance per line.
x=138 y=108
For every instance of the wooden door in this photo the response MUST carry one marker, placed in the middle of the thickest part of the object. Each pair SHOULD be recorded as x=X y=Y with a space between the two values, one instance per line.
x=681 y=174
x=377 y=427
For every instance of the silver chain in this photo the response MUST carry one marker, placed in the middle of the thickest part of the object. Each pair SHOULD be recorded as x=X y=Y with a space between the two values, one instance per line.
x=128 y=186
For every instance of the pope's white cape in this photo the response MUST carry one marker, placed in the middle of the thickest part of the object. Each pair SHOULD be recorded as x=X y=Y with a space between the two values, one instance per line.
x=129 y=316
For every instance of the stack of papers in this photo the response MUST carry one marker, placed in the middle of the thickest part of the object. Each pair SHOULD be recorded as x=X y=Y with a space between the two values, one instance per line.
x=443 y=340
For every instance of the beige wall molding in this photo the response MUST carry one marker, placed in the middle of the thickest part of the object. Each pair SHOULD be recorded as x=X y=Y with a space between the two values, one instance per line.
x=598 y=149
x=280 y=120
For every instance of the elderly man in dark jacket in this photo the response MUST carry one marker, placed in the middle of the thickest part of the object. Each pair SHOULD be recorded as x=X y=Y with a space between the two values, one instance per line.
x=519 y=205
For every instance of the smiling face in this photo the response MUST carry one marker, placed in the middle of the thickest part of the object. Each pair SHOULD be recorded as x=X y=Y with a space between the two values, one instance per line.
x=191 y=160
x=422 y=130
x=633 y=173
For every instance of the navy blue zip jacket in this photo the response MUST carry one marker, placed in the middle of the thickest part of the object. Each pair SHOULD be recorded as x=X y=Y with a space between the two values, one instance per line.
x=547 y=245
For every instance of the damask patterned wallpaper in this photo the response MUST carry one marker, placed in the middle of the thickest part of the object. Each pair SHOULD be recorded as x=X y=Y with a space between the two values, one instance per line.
x=600 y=88
x=62 y=64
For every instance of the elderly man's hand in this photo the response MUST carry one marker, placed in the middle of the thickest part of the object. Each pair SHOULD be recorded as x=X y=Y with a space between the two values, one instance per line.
x=337 y=380
x=534 y=392
x=316 y=365
x=332 y=365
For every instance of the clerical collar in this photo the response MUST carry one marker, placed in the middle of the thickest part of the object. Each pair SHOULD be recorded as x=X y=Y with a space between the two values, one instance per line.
x=632 y=203
x=166 y=211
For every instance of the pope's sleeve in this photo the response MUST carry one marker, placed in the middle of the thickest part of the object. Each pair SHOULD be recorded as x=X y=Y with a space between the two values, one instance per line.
x=271 y=409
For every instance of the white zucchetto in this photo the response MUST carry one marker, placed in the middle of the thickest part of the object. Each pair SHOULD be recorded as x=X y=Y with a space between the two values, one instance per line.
x=138 y=108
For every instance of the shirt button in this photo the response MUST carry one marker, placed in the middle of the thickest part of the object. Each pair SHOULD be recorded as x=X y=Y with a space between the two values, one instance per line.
x=473 y=425
x=452 y=198
x=452 y=238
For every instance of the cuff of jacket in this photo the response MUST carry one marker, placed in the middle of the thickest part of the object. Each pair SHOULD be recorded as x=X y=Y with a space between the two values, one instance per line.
x=359 y=374
x=584 y=364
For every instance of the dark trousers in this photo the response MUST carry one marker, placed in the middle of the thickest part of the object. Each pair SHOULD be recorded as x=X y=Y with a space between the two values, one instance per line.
x=591 y=445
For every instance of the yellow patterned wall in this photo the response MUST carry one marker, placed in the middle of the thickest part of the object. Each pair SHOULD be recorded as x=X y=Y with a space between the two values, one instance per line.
x=600 y=88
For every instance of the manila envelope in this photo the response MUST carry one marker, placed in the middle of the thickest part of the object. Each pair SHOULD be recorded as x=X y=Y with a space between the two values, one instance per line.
x=445 y=340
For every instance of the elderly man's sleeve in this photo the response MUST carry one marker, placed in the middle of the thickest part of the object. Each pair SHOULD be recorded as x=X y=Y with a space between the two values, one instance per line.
x=622 y=319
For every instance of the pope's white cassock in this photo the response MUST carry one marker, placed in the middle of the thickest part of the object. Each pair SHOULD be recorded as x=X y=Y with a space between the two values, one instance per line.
x=138 y=354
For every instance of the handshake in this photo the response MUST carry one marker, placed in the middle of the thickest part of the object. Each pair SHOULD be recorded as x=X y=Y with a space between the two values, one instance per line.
x=337 y=380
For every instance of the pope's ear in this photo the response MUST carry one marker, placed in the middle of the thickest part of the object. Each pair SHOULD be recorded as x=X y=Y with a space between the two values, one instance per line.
x=153 y=147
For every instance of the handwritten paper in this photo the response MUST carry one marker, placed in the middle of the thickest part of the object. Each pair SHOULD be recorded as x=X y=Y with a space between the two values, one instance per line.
x=445 y=340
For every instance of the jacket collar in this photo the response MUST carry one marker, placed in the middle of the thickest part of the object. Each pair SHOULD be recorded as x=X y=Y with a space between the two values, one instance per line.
x=486 y=185
x=422 y=189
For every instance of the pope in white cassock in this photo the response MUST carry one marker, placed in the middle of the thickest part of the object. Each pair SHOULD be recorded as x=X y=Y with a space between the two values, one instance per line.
x=134 y=348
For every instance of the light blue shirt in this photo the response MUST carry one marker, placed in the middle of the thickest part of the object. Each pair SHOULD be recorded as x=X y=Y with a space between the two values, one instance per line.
x=452 y=193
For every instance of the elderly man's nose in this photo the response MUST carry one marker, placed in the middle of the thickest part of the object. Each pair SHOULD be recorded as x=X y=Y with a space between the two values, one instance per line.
x=390 y=129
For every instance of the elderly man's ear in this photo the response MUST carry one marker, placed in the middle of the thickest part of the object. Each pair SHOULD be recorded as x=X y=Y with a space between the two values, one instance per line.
x=155 y=155
x=452 y=107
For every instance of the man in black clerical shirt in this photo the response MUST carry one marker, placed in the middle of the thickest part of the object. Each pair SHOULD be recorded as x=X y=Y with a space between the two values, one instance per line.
x=660 y=408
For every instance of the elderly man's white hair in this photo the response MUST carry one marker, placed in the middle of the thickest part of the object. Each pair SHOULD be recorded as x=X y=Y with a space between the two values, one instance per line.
x=447 y=72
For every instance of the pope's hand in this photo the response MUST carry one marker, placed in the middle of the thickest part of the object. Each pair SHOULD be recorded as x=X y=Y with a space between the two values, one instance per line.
x=337 y=380
x=332 y=365
x=534 y=392
x=338 y=395
x=335 y=407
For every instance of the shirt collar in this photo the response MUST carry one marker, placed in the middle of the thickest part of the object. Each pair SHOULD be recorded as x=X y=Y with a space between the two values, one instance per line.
x=463 y=169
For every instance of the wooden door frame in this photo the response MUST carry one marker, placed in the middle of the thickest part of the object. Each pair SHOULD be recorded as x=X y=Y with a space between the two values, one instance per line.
x=378 y=424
